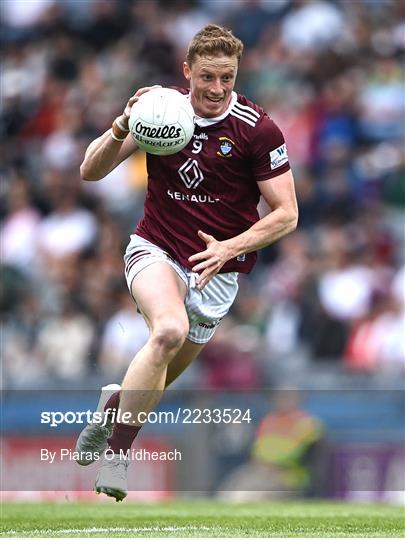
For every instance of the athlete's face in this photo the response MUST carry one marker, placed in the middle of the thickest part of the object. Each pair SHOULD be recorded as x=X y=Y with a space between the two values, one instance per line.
x=212 y=79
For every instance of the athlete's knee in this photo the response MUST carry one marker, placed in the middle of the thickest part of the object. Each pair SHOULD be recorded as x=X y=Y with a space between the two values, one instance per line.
x=169 y=334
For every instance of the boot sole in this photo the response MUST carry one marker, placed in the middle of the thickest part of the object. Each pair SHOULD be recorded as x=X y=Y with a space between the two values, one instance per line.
x=111 y=492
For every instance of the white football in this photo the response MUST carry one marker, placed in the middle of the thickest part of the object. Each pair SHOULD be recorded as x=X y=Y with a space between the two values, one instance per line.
x=162 y=121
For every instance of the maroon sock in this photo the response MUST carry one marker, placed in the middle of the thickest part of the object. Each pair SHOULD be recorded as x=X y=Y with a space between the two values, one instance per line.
x=122 y=437
x=113 y=401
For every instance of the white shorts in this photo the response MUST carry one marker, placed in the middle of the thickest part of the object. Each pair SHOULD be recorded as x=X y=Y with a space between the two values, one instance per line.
x=205 y=308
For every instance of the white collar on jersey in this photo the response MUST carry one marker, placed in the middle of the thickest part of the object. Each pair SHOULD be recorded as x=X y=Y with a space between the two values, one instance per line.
x=205 y=122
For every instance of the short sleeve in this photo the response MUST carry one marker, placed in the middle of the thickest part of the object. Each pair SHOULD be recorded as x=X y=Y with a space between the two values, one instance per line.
x=268 y=151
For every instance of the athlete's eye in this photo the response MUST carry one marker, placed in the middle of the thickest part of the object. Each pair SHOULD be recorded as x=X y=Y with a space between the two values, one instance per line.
x=206 y=77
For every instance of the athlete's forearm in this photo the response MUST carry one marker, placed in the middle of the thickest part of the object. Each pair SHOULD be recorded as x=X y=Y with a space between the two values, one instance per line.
x=100 y=157
x=264 y=232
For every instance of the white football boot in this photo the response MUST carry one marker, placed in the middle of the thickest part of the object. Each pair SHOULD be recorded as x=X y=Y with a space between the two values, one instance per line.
x=92 y=440
x=112 y=478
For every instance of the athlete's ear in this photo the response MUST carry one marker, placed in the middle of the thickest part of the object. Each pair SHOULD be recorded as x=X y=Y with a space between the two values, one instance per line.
x=186 y=71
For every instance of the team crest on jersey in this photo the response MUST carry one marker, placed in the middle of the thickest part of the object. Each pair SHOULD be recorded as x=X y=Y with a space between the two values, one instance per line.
x=225 y=147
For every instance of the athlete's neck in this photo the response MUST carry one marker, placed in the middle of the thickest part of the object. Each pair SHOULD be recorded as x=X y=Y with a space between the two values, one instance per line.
x=204 y=122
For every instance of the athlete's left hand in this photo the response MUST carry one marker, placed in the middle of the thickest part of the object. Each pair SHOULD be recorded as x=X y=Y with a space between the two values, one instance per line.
x=212 y=259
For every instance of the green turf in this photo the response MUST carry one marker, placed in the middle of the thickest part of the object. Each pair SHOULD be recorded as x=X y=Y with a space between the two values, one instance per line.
x=201 y=518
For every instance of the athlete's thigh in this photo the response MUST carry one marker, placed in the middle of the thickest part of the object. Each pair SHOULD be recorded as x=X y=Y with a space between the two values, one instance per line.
x=159 y=292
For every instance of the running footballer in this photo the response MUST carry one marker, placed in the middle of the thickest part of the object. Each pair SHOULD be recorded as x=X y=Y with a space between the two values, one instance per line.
x=200 y=230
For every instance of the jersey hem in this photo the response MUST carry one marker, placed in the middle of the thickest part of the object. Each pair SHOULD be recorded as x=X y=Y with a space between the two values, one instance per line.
x=232 y=267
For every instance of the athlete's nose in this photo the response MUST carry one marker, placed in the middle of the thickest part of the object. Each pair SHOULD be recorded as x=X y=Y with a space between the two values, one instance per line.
x=215 y=89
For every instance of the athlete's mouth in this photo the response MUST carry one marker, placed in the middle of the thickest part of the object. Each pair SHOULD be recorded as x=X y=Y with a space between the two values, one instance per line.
x=214 y=100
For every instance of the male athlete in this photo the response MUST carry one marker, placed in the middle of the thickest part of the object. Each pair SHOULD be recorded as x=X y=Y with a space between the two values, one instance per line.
x=200 y=229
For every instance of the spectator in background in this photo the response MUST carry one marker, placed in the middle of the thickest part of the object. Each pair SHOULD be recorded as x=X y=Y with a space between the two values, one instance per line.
x=125 y=333
x=286 y=459
x=312 y=25
x=376 y=342
x=20 y=227
x=64 y=342
x=21 y=367
x=250 y=21
x=68 y=229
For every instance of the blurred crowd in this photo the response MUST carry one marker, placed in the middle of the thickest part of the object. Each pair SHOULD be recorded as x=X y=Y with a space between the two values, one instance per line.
x=332 y=293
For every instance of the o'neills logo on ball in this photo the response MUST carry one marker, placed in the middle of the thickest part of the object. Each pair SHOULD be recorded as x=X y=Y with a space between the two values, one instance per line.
x=165 y=132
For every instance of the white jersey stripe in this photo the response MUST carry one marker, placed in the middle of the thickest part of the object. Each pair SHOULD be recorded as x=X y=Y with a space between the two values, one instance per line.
x=247 y=109
x=233 y=113
x=245 y=114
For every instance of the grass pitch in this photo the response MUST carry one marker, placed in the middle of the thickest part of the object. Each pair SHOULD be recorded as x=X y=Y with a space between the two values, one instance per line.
x=201 y=518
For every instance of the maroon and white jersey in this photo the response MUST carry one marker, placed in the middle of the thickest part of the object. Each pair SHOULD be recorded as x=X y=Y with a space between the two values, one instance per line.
x=211 y=185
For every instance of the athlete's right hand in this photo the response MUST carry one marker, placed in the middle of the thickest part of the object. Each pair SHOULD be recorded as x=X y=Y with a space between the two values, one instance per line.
x=133 y=99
